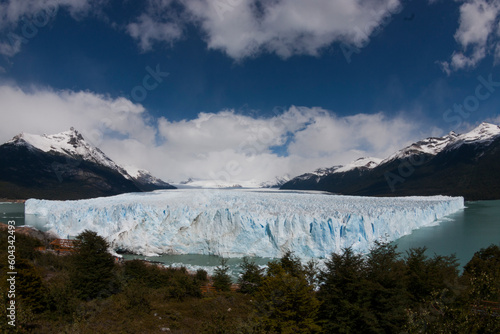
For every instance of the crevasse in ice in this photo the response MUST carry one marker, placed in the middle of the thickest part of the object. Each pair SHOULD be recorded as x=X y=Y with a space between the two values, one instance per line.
x=235 y=223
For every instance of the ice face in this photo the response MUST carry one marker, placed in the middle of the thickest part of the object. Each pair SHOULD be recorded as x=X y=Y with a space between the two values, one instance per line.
x=235 y=223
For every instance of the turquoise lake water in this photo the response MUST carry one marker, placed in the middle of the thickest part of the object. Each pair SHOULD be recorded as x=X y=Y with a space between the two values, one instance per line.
x=462 y=233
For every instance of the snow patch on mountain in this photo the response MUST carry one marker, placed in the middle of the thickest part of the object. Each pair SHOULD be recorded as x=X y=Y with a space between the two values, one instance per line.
x=276 y=183
x=318 y=174
x=368 y=163
x=485 y=133
x=432 y=146
x=143 y=176
x=72 y=144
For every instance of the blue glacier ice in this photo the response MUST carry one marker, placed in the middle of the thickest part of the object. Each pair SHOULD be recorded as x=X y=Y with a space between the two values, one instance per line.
x=235 y=223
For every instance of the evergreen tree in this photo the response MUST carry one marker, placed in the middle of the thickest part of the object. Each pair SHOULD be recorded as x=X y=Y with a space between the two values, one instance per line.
x=484 y=270
x=140 y=271
x=201 y=275
x=221 y=278
x=343 y=295
x=427 y=275
x=251 y=277
x=92 y=274
x=311 y=271
x=465 y=314
x=292 y=265
x=29 y=286
x=286 y=303
x=385 y=288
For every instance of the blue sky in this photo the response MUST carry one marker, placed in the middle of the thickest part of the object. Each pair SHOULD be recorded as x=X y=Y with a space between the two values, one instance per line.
x=271 y=87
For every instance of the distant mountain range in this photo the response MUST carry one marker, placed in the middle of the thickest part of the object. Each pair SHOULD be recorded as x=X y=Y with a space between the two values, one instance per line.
x=64 y=166
x=457 y=164
x=276 y=183
x=231 y=184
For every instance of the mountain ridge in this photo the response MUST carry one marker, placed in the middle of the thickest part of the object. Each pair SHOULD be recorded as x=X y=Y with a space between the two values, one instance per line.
x=455 y=164
x=64 y=166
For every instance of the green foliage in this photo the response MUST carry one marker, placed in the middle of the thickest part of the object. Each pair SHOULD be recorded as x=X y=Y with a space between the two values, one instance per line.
x=291 y=264
x=25 y=245
x=251 y=277
x=181 y=285
x=92 y=275
x=438 y=314
x=60 y=295
x=173 y=282
x=343 y=294
x=29 y=287
x=372 y=294
x=285 y=302
x=145 y=273
x=386 y=291
x=427 y=275
x=221 y=278
x=137 y=297
x=375 y=293
x=311 y=271
x=201 y=276
x=220 y=320
x=484 y=271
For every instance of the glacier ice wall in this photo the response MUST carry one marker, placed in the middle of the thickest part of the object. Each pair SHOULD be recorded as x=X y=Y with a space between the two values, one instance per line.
x=235 y=223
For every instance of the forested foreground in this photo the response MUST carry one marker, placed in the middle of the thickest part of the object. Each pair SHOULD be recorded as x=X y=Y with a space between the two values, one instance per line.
x=382 y=292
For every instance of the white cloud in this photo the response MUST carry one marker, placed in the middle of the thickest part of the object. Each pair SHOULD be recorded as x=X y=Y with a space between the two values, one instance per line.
x=494 y=120
x=497 y=54
x=158 y=24
x=46 y=111
x=11 y=11
x=148 y=31
x=476 y=34
x=227 y=145
x=240 y=28
x=216 y=145
x=11 y=48
x=245 y=28
x=20 y=21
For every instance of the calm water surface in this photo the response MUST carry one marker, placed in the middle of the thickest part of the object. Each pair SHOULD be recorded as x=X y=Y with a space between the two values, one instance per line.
x=462 y=233
x=12 y=211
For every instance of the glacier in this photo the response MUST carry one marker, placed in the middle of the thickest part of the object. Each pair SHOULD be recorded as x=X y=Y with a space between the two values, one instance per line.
x=237 y=223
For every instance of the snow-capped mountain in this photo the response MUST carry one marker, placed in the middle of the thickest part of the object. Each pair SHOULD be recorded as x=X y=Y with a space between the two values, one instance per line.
x=145 y=180
x=455 y=164
x=483 y=134
x=276 y=183
x=358 y=166
x=319 y=173
x=68 y=143
x=64 y=166
x=431 y=145
x=362 y=163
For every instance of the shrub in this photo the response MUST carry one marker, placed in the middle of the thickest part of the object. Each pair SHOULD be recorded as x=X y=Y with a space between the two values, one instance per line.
x=221 y=278
x=92 y=274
